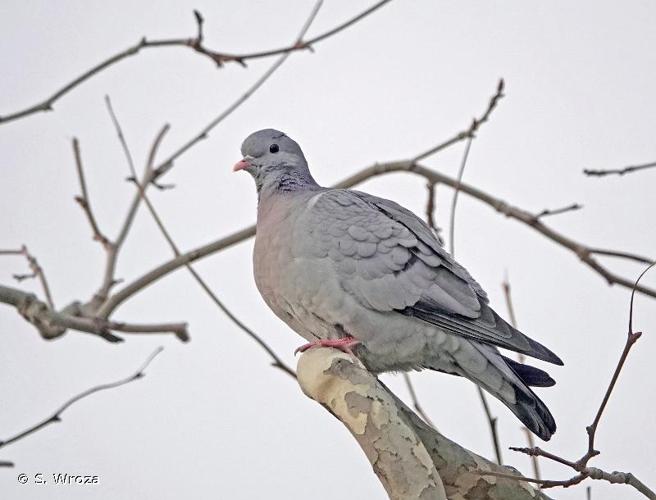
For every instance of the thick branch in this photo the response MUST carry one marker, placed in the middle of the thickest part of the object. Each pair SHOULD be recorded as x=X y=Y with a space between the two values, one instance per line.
x=52 y=324
x=411 y=459
x=196 y=44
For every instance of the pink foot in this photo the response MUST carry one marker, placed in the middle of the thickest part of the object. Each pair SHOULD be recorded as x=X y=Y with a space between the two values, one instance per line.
x=345 y=344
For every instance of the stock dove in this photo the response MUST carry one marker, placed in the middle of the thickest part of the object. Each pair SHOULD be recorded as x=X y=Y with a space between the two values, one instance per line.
x=350 y=270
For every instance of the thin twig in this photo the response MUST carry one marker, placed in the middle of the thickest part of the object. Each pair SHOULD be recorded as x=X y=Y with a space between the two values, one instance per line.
x=492 y=423
x=470 y=132
x=491 y=419
x=544 y=483
x=37 y=272
x=152 y=173
x=219 y=58
x=430 y=212
x=618 y=171
x=167 y=164
x=109 y=276
x=141 y=189
x=84 y=201
x=581 y=465
x=521 y=358
x=631 y=339
x=56 y=416
x=621 y=255
x=415 y=400
x=556 y=211
x=454 y=199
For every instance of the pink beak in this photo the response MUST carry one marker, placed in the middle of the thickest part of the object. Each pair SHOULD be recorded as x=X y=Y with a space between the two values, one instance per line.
x=241 y=165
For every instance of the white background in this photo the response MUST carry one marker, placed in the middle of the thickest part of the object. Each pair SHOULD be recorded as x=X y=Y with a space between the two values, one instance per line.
x=212 y=419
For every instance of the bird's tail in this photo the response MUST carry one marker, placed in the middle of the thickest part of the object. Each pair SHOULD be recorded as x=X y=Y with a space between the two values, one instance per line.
x=509 y=381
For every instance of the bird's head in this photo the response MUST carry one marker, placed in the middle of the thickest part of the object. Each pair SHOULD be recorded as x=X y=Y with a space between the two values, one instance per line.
x=275 y=161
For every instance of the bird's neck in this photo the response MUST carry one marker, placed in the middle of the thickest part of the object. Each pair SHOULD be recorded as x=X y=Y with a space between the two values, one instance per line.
x=287 y=183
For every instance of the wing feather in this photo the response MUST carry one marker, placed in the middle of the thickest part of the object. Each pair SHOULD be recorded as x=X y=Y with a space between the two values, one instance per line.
x=390 y=261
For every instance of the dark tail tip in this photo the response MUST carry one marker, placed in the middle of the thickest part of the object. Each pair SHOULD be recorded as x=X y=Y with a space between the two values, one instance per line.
x=534 y=414
x=530 y=375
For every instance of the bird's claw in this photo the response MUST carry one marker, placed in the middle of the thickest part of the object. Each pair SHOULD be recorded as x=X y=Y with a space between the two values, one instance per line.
x=344 y=344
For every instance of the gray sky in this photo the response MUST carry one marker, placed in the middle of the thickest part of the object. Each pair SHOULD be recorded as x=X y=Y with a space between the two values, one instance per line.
x=212 y=417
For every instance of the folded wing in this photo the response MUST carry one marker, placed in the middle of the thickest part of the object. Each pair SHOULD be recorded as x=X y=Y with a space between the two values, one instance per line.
x=390 y=261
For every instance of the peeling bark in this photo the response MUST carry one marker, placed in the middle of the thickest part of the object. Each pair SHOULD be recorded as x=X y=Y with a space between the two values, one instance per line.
x=411 y=459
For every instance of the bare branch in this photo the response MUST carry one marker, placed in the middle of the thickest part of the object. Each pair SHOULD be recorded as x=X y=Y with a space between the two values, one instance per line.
x=583 y=252
x=632 y=338
x=521 y=358
x=491 y=419
x=156 y=172
x=84 y=201
x=556 y=211
x=621 y=255
x=454 y=199
x=415 y=400
x=492 y=423
x=167 y=164
x=114 y=248
x=544 y=483
x=141 y=190
x=56 y=416
x=37 y=272
x=52 y=324
x=469 y=132
x=581 y=465
x=618 y=171
x=430 y=209
x=11 y=252
x=153 y=173
x=219 y=58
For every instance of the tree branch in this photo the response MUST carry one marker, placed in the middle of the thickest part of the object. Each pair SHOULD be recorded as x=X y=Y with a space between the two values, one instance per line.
x=411 y=459
x=415 y=400
x=196 y=44
x=150 y=173
x=491 y=419
x=156 y=172
x=52 y=324
x=581 y=465
x=469 y=132
x=582 y=251
x=618 y=171
x=84 y=201
x=521 y=358
x=56 y=416
x=37 y=272
x=167 y=164
x=557 y=211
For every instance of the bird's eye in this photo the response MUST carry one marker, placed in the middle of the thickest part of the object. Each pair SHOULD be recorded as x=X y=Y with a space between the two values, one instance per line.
x=274 y=148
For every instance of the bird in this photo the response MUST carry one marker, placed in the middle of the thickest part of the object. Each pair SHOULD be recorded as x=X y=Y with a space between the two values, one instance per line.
x=363 y=274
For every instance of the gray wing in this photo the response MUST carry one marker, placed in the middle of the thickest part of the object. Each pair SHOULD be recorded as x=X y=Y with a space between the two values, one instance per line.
x=390 y=261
